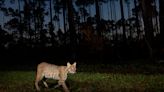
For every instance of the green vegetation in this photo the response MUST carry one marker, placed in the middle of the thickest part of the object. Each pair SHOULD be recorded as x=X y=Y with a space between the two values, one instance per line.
x=82 y=81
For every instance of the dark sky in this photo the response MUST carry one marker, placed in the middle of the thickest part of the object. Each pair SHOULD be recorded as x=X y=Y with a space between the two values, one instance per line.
x=106 y=12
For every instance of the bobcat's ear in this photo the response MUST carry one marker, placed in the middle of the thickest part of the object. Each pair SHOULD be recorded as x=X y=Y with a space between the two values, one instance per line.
x=68 y=64
x=74 y=63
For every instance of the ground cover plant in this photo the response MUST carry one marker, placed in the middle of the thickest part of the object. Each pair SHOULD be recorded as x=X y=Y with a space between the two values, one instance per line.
x=91 y=78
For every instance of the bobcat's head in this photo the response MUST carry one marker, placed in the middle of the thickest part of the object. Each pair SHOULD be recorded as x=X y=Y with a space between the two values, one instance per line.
x=71 y=68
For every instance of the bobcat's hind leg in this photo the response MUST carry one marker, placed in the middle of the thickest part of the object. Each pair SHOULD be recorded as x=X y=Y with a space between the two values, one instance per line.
x=45 y=84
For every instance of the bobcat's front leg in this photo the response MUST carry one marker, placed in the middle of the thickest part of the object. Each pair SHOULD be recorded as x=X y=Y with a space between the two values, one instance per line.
x=63 y=84
x=59 y=84
x=61 y=81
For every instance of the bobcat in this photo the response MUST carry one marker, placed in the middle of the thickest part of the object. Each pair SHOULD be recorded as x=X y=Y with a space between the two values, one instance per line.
x=46 y=70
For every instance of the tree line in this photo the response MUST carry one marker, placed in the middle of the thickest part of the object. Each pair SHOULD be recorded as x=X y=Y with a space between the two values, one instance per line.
x=81 y=27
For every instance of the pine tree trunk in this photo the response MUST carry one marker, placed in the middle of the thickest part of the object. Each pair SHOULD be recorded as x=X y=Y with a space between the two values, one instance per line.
x=161 y=16
x=123 y=21
x=20 y=23
x=136 y=20
x=51 y=25
x=148 y=25
x=98 y=16
x=64 y=20
x=71 y=28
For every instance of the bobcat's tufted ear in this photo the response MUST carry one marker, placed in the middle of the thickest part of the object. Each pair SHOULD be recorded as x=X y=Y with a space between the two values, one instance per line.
x=68 y=64
x=74 y=63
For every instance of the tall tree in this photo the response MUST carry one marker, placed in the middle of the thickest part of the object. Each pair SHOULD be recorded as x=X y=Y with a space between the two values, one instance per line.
x=51 y=26
x=39 y=14
x=146 y=6
x=20 y=29
x=123 y=20
x=71 y=22
x=136 y=13
x=27 y=17
x=64 y=14
x=161 y=16
x=98 y=18
x=82 y=4
x=128 y=7
x=34 y=18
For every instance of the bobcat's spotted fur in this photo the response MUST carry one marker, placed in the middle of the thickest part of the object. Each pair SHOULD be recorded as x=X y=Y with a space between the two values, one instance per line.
x=46 y=70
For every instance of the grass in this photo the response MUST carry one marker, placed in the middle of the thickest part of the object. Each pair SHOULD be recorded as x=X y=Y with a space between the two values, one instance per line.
x=119 y=79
